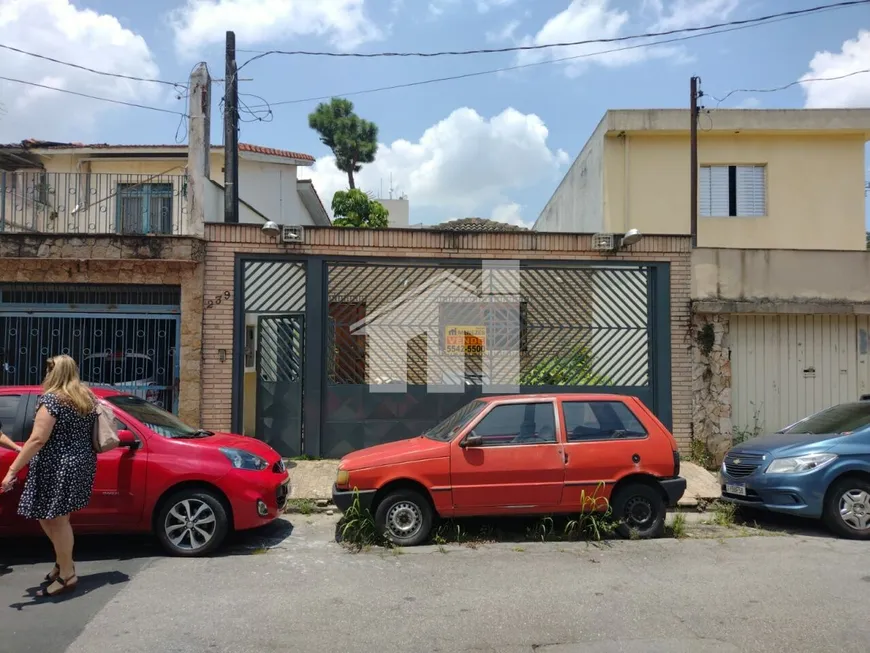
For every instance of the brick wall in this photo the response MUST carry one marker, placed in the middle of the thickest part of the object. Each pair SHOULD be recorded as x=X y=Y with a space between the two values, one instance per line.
x=224 y=241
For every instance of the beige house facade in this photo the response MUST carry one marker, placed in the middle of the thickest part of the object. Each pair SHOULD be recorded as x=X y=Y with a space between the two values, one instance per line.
x=767 y=178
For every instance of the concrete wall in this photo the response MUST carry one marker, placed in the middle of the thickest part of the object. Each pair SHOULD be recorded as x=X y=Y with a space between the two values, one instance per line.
x=780 y=276
x=811 y=180
x=400 y=212
x=578 y=205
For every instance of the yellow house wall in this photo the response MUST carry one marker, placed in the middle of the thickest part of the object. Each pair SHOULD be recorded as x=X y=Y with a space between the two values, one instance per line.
x=815 y=196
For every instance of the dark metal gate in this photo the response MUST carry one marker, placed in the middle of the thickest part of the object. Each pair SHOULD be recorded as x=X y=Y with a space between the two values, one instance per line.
x=280 y=355
x=123 y=337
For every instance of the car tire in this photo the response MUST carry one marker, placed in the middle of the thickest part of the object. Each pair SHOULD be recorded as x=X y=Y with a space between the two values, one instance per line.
x=192 y=523
x=404 y=518
x=854 y=489
x=639 y=510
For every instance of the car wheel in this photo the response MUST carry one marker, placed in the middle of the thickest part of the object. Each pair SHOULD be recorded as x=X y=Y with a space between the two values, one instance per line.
x=639 y=510
x=404 y=518
x=192 y=523
x=847 y=508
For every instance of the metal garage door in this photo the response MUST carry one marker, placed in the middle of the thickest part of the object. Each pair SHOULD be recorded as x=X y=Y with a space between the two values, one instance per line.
x=124 y=337
x=785 y=367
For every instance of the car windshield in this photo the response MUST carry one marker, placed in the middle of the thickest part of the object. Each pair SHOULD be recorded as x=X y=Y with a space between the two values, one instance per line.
x=844 y=418
x=158 y=420
x=447 y=429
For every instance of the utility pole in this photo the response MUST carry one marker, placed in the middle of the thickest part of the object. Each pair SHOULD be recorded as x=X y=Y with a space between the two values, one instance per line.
x=693 y=156
x=231 y=134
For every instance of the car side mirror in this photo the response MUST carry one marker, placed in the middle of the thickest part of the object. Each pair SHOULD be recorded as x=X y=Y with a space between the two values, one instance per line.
x=128 y=440
x=471 y=441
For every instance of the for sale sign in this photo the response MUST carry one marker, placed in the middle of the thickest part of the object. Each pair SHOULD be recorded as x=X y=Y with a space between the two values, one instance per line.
x=464 y=340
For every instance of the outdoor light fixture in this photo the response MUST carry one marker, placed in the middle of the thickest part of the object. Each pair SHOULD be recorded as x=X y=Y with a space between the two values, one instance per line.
x=271 y=229
x=631 y=237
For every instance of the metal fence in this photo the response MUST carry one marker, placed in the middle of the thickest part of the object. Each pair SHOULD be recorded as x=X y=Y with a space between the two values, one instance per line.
x=93 y=203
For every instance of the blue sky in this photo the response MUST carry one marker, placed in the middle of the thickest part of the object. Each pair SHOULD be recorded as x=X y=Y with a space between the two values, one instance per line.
x=494 y=146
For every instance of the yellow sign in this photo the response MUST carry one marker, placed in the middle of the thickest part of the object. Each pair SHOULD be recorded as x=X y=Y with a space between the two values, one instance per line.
x=464 y=340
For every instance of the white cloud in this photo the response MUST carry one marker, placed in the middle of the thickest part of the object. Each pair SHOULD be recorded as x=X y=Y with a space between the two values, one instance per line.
x=484 y=6
x=463 y=164
x=584 y=20
x=511 y=213
x=202 y=22
x=852 y=91
x=439 y=7
x=679 y=14
x=82 y=36
x=749 y=103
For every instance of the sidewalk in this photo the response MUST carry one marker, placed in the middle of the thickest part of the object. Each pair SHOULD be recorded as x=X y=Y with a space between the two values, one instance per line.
x=312 y=480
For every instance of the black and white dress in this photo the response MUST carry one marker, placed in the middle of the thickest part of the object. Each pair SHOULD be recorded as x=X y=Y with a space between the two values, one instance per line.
x=61 y=476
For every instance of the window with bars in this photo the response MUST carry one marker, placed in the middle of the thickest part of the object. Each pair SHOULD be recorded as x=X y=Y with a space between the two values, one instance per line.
x=732 y=191
x=145 y=208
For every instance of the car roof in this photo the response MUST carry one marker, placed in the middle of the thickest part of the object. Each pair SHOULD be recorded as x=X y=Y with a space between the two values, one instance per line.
x=564 y=396
x=36 y=389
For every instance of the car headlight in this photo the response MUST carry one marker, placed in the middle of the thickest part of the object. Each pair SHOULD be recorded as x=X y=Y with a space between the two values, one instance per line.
x=800 y=463
x=242 y=459
x=342 y=478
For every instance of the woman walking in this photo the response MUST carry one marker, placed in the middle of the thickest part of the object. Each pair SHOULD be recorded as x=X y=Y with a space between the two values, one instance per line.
x=62 y=465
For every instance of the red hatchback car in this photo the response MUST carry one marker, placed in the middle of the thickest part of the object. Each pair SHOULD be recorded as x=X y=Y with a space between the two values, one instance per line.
x=521 y=455
x=189 y=486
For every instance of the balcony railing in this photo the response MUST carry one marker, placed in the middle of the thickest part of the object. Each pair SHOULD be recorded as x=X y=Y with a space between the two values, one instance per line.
x=93 y=203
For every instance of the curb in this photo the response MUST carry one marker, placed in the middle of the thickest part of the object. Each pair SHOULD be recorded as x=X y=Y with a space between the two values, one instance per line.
x=319 y=508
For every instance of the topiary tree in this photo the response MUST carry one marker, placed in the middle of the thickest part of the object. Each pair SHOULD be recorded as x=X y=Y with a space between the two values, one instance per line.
x=353 y=141
x=353 y=208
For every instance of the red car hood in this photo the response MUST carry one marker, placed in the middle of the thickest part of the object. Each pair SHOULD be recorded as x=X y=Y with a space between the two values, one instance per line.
x=231 y=440
x=403 y=451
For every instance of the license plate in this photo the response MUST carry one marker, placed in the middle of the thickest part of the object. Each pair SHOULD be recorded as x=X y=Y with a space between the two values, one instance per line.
x=739 y=490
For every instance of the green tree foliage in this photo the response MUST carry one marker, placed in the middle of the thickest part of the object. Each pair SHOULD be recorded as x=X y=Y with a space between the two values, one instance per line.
x=573 y=369
x=353 y=208
x=353 y=141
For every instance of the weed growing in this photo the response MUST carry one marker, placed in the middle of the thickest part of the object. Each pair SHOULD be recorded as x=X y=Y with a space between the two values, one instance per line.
x=357 y=530
x=678 y=526
x=724 y=513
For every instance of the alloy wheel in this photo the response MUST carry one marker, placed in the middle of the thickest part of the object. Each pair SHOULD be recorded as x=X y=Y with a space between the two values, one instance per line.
x=190 y=524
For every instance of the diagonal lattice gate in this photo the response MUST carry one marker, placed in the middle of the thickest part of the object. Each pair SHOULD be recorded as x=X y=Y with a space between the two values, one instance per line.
x=408 y=344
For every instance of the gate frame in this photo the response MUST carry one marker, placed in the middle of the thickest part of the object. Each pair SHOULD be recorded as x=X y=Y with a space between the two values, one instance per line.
x=316 y=302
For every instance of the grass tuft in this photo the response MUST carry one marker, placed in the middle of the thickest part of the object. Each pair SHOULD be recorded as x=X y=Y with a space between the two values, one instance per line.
x=724 y=513
x=678 y=526
x=357 y=530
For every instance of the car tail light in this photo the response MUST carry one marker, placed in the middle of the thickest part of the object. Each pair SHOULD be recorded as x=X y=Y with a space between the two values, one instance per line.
x=676 y=462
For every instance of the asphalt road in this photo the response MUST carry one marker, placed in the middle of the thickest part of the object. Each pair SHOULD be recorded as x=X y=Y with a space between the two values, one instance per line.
x=284 y=590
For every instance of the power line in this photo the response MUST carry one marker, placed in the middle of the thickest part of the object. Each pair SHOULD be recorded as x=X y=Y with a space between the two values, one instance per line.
x=93 y=97
x=494 y=71
x=92 y=70
x=789 y=85
x=519 y=48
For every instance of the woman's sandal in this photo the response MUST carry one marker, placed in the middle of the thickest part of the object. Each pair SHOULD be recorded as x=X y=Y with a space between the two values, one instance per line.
x=51 y=576
x=65 y=587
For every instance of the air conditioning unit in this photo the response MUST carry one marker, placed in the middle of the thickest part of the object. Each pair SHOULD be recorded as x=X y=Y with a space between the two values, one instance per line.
x=605 y=242
x=292 y=234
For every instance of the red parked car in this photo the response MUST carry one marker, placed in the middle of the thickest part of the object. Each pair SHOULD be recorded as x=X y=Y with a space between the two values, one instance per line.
x=189 y=486
x=520 y=455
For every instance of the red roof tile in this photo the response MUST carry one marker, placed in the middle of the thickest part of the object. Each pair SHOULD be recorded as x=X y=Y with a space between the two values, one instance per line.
x=243 y=147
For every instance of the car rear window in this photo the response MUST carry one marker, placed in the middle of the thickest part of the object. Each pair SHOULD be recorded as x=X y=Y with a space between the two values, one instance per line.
x=600 y=420
x=844 y=418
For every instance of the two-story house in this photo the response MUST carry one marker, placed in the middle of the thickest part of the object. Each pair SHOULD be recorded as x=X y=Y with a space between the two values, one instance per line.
x=780 y=276
x=103 y=251
x=102 y=188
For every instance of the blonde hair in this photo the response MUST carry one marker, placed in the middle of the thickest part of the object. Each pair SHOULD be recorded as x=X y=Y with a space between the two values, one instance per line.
x=62 y=378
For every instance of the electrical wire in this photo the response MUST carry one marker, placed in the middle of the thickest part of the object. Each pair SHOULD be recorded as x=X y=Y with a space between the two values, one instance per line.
x=503 y=69
x=787 y=86
x=92 y=70
x=544 y=46
x=93 y=97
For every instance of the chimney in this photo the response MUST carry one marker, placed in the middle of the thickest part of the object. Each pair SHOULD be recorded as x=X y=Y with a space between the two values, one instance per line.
x=198 y=152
